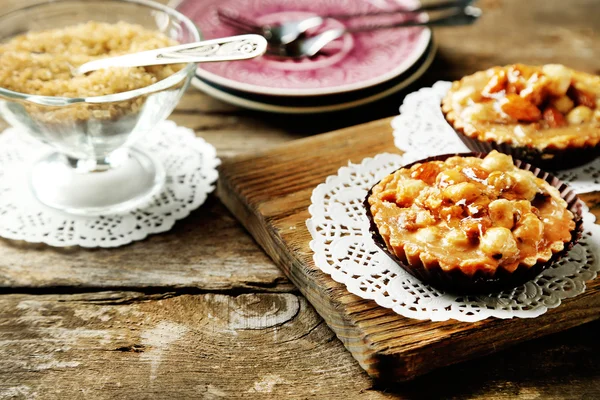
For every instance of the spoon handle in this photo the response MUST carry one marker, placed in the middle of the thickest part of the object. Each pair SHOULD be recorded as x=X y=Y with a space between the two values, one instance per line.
x=231 y=48
x=438 y=6
x=463 y=17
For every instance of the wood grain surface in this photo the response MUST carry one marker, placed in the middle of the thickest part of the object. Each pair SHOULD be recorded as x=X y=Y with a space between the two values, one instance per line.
x=115 y=345
x=212 y=253
x=63 y=350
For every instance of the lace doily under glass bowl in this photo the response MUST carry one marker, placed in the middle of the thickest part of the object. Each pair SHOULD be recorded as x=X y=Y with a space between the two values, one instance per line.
x=343 y=248
x=190 y=165
x=422 y=131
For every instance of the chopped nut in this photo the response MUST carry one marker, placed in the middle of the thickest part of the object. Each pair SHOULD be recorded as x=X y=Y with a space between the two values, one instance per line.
x=579 y=115
x=535 y=90
x=433 y=200
x=554 y=118
x=462 y=191
x=406 y=219
x=407 y=193
x=475 y=227
x=450 y=177
x=529 y=228
x=516 y=82
x=560 y=78
x=429 y=234
x=452 y=213
x=496 y=84
x=501 y=181
x=564 y=104
x=424 y=218
x=474 y=173
x=479 y=207
x=498 y=240
x=520 y=109
x=457 y=238
x=525 y=184
x=425 y=172
x=582 y=97
x=501 y=213
x=496 y=161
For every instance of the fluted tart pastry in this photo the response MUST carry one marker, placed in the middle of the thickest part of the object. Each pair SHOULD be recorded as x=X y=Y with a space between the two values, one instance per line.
x=470 y=223
x=547 y=115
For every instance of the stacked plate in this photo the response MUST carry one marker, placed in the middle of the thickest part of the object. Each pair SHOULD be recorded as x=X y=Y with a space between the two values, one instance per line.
x=356 y=69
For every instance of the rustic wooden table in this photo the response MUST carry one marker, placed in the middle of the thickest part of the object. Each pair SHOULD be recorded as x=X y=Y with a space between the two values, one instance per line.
x=202 y=312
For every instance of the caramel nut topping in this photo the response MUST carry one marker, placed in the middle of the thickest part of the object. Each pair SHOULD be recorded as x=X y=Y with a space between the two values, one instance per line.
x=470 y=213
x=540 y=107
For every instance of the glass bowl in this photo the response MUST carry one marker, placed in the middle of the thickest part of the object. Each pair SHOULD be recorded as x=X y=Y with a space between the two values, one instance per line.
x=95 y=168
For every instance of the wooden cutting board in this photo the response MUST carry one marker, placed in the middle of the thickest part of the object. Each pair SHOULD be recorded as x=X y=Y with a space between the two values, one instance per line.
x=270 y=194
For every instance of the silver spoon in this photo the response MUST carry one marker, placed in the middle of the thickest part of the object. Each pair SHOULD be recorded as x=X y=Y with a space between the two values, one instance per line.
x=231 y=48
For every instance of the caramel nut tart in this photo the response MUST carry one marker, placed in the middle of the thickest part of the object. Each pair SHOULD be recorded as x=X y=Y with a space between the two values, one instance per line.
x=473 y=224
x=546 y=115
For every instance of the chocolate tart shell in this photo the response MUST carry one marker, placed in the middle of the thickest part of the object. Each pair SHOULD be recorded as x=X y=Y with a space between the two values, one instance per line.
x=456 y=281
x=550 y=158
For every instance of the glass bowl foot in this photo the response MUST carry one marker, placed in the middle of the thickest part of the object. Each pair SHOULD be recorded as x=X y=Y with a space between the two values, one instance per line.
x=123 y=181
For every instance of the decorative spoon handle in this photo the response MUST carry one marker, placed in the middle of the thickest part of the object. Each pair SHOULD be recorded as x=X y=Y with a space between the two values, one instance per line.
x=231 y=48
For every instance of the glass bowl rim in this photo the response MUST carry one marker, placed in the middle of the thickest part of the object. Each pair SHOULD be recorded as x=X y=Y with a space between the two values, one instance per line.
x=109 y=98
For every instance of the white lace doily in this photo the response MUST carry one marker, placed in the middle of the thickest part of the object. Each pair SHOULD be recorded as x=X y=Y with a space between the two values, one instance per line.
x=190 y=165
x=422 y=131
x=344 y=249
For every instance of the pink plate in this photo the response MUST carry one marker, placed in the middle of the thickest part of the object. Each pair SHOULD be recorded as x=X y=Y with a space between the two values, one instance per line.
x=355 y=61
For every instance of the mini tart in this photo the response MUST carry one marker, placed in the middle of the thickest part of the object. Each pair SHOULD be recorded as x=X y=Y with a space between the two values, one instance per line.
x=473 y=223
x=547 y=115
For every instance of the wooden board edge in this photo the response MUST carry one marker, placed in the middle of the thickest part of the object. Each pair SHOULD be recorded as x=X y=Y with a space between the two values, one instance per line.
x=353 y=338
x=394 y=367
